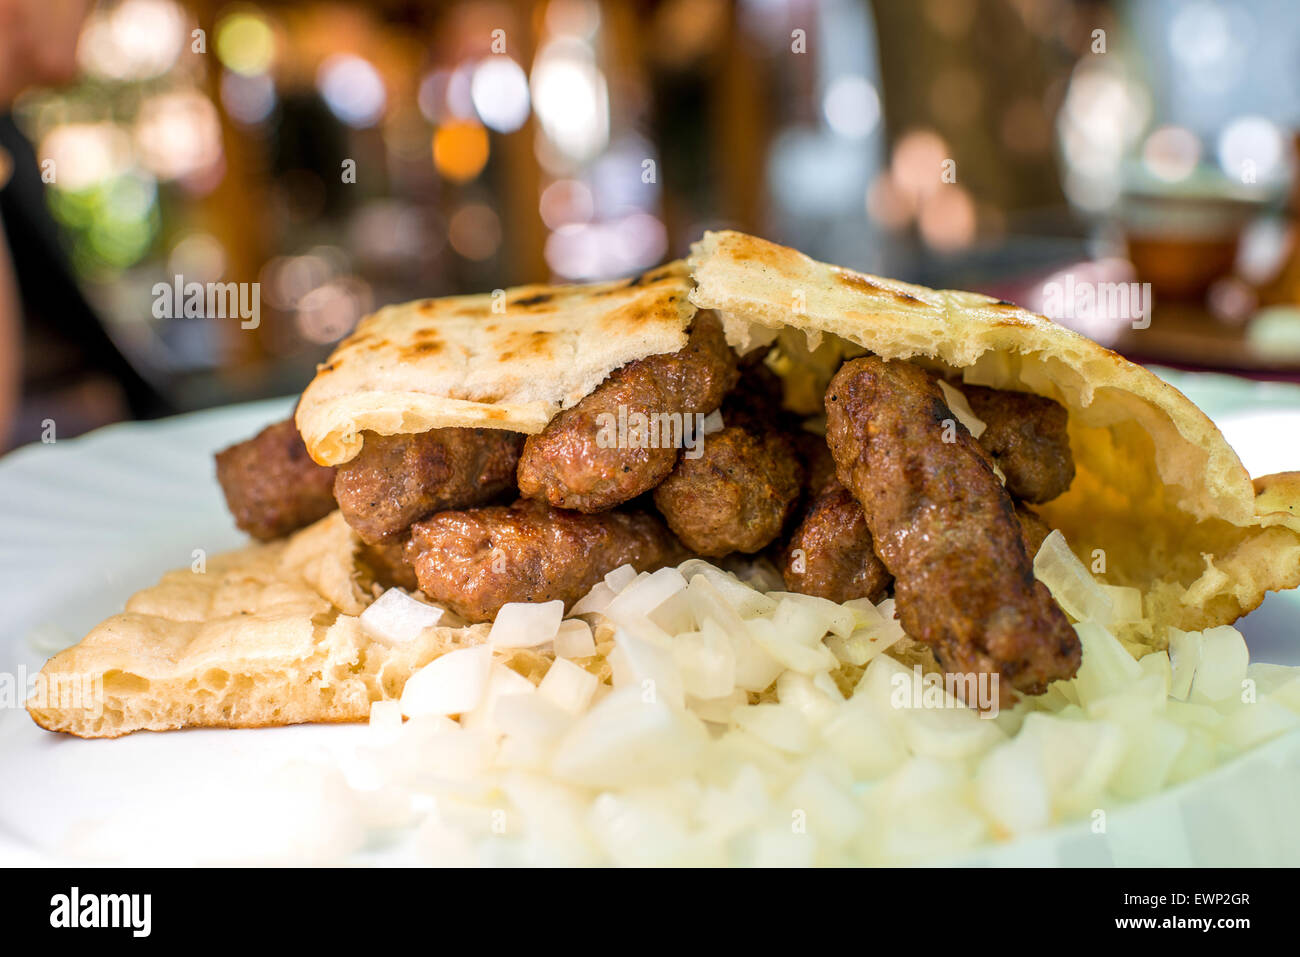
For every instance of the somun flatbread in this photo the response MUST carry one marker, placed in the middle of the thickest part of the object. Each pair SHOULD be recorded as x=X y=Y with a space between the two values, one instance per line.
x=270 y=635
x=505 y=360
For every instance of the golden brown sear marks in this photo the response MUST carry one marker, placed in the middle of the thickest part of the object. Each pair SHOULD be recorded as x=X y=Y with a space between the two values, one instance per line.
x=1027 y=437
x=476 y=560
x=945 y=528
x=272 y=486
x=861 y=283
x=574 y=464
x=397 y=479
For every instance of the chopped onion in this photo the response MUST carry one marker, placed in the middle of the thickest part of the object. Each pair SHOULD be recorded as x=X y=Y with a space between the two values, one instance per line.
x=1184 y=657
x=595 y=601
x=1222 y=667
x=838 y=620
x=625 y=741
x=1107 y=666
x=522 y=624
x=568 y=686
x=1070 y=583
x=713 y=422
x=1011 y=788
x=646 y=667
x=788 y=651
x=962 y=410
x=780 y=726
x=451 y=684
x=502 y=681
x=386 y=719
x=574 y=640
x=584 y=773
x=706 y=661
x=396 y=618
x=642 y=597
x=951 y=733
x=743 y=600
x=620 y=578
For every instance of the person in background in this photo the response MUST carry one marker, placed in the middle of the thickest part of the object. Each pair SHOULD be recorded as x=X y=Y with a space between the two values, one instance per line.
x=47 y=330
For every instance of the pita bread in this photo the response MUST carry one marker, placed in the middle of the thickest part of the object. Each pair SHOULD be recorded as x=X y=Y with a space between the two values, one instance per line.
x=269 y=635
x=508 y=360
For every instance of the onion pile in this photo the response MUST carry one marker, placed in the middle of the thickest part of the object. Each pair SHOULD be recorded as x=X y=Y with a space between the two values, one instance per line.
x=692 y=717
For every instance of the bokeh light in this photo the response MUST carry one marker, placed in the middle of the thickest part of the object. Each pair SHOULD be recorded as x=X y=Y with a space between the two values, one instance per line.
x=245 y=42
x=178 y=134
x=460 y=150
x=247 y=99
x=134 y=40
x=499 y=89
x=1171 y=153
x=84 y=154
x=474 y=231
x=1250 y=148
x=352 y=88
x=852 y=107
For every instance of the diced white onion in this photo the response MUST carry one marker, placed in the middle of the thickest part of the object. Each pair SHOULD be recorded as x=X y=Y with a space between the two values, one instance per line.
x=1070 y=583
x=451 y=684
x=1222 y=667
x=595 y=601
x=574 y=640
x=568 y=686
x=713 y=422
x=620 y=578
x=396 y=618
x=674 y=763
x=386 y=719
x=525 y=625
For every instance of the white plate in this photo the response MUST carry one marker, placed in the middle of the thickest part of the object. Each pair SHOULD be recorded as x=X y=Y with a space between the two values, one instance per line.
x=86 y=522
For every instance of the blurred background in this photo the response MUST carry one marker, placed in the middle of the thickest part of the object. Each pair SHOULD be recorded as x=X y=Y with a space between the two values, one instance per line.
x=345 y=155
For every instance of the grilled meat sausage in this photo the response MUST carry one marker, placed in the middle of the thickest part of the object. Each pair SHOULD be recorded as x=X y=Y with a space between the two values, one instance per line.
x=736 y=496
x=572 y=464
x=818 y=463
x=1033 y=530
x=398 y=479
x=272 y=486
x=477 y=560
x=1026 y=436
x=831 y=555
x=387 y=563
x=945 y=528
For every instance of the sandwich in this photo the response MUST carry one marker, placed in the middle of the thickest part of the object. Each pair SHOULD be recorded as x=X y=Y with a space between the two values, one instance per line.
x=846 y=438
